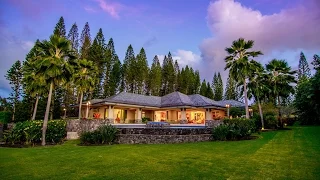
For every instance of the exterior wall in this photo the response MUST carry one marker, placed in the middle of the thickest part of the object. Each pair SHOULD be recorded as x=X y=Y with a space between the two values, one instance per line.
x=99 y=110
x=130 y=115
x=172 y=115
x=218 y=114
x=148 y=114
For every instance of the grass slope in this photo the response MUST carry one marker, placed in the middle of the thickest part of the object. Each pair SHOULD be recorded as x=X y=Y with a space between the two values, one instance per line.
x=288 y=154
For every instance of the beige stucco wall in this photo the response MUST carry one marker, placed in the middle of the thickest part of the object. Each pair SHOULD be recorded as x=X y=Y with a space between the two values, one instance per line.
x=172 y=115
x=131 y=115
x=149 y=114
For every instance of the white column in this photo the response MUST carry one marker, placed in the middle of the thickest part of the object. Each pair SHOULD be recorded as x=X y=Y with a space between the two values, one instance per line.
x=87 y=111
x=138 y=115
x=110 y=113
x=208 y=114
x=183 y=114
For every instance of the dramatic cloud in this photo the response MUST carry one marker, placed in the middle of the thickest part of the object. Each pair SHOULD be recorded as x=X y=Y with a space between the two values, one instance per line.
x=184 y=58
x=289 y=31
x=113 y=9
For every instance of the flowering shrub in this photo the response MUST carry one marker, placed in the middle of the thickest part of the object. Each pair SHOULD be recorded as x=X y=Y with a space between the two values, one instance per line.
x=30 y=132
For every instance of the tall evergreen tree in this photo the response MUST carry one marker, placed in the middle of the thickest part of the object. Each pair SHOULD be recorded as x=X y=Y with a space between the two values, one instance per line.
x=231 y=89
x=129 y=65
x=209 y=92
x=111 y=58
x=155 y=77
x=177 y=75
x=197 y=82
x=85 y=41
x=214 y=83
x=73 y=37
x=115 y=77
x=316 y=62
x=304 y=70
x=203 y=88
x=98 y=56
x=191 y=81
x=14 y=76
x=141 y=70
x=60 y=29
x=169 y=74
x=218 y=93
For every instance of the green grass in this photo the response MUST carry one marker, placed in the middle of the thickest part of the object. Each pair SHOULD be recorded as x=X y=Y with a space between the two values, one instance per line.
x=287 y=154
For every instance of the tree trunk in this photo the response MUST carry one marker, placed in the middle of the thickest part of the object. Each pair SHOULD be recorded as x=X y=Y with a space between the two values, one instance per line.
x=80 y=104
x=35 y=108
x=261 y=115
x=14 y=110
x=46 y=116
x=279 y=108
x=246 y=98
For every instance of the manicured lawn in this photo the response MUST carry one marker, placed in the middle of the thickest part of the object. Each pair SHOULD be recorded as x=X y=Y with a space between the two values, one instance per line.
x=287 y=154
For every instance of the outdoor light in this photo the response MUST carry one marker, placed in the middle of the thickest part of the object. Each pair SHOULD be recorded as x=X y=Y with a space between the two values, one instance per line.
x=228 y=106
x=65 y=112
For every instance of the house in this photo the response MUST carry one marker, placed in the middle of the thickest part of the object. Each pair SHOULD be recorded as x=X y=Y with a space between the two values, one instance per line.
x=175 y=108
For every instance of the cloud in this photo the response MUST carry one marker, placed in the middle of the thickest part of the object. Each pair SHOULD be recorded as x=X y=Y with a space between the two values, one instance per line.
x=89 y=9
x=113 y=9
x=184 y=58
x=150 y=42
x=290 y=30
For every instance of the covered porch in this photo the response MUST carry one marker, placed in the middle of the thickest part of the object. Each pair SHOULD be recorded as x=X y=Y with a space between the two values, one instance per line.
x=131 y=114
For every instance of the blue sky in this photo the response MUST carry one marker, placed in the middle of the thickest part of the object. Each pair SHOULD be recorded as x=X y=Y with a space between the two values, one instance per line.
x=195 y=31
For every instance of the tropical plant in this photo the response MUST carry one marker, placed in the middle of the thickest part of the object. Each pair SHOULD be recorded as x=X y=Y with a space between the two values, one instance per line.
x=84 y=78
x=257 y=87
x=280 y=78
x=240 y=63
x=56 y=66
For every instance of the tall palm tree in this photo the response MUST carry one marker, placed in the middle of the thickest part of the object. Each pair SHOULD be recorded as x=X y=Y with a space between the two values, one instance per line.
x=84 y=78
x=55 y=66
x=240 y=63
x=257 y=87
x=281 y=79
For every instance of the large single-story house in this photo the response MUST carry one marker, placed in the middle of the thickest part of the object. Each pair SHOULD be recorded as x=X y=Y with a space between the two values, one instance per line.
x=175 y=108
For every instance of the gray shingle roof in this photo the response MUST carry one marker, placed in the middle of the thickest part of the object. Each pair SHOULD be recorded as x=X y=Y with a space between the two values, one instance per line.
x=174 y=99
x=136 y=99
x=232 y=103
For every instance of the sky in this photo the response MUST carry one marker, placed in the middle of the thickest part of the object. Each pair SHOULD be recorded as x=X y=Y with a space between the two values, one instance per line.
x=196 y=32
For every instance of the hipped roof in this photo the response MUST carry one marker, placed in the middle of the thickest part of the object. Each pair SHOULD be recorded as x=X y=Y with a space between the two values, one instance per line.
x=175 y=99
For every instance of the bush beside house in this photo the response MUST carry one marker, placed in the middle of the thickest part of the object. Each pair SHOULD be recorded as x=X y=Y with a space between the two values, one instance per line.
x=234 y=129
x=30 y=132
x=105 y=134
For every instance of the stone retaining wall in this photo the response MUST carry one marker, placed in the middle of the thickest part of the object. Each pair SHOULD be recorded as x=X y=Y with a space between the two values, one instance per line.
x=161 y=139
x=76 y=125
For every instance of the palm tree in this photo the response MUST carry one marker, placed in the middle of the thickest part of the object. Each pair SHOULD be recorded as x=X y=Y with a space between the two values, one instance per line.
x=257 y=87
x=84 y=78
x=34 y=86
x=55 y=66
x=281 y=79
x=240 y=63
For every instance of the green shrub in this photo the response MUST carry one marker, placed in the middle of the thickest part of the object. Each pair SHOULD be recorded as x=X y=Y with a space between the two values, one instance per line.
x=145 y=119
x=221 y=132
x=270 y=120
x=5 y=117
x=30 y=132
x=105 y=134
x=234 y=129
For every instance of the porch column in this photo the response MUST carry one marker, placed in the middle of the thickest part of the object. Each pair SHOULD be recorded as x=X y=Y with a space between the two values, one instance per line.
x=110 y=114
x=208 y=114
x=138 y=115
x=183 y=119
x=87 y=111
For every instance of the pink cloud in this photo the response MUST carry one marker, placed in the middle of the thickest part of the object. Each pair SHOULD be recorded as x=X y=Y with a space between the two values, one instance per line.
x=113 y=9
x=290 y=30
